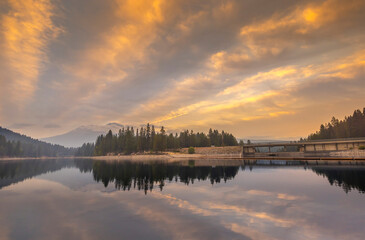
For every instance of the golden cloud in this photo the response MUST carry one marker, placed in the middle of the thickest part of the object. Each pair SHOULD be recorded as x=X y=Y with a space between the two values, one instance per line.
x=304 y=19
x=232 y=105
x=26 y=30
x=251 y=213
x=118 y=50
x=272 y=36
x=183 y=204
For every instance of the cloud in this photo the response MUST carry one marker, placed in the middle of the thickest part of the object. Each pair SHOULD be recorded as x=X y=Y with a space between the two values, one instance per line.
x=177 y=218
x=258 y=215
x=117 y=51
x=304 y=26
x=21 y=125
x=176 y=97
x=26 y=29
x=300 y=32
x=173 y=201
x=209 y=64
x=277 y=92
x=248 y=231
x=52 y=126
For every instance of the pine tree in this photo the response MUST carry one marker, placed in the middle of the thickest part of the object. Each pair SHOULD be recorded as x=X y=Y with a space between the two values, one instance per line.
x=138 y=139
x=153 y=134
x=163 y=139
x=148 y=137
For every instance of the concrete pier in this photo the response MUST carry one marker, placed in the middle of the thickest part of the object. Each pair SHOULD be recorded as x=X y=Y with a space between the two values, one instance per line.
x=320 y=148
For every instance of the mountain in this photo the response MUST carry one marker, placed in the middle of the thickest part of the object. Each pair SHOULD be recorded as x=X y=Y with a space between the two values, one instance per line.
x=83 y=134
x=28 y=147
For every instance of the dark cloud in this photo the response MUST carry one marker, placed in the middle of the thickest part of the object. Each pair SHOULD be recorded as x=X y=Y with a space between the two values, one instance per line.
x=51 y=126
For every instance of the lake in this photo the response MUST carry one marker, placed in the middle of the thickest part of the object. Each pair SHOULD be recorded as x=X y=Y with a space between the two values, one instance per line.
x=210 y=199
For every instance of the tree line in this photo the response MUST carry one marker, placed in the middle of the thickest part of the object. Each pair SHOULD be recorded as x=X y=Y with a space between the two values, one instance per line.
x=147 y=139
x=352 y=126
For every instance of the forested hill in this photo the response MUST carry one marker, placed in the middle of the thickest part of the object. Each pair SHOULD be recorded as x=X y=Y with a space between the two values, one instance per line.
x=13 y=144
x=352 y=126
x=13 y=136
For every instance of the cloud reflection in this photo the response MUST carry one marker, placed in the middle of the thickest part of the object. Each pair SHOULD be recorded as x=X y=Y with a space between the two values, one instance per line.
x=265 y=203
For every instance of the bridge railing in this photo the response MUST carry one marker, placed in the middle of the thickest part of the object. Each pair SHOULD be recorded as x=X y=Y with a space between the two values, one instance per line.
x=282 y=143
x=335 y=139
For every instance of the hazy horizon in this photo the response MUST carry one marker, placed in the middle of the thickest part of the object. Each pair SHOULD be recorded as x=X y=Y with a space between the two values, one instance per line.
x=277 y=71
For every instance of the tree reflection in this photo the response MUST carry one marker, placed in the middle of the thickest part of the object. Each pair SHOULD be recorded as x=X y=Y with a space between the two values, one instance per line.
x=348 y=178
x=149 y=175
x=84 y=165
x=16 y=171
x=142 y=176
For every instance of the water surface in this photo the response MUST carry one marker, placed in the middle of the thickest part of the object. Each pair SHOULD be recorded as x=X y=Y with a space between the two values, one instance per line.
x=86 y=199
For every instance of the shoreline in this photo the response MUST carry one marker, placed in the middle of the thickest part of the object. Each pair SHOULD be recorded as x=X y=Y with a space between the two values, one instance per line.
x=177 y=157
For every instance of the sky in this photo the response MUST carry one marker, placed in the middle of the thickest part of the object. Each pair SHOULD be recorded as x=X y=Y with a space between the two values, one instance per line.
x=255 y=68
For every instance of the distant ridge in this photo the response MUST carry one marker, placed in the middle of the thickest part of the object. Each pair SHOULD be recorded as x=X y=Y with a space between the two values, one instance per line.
x=83 y=134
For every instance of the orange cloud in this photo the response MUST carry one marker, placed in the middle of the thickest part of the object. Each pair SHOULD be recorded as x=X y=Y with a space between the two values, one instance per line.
x=271 y=36
x=26 y=30
x=183 y=204
x=305 y=18
x=251 y=213
x=279 y=75
x=118 y=50
x=233 y=104
x=171 y=102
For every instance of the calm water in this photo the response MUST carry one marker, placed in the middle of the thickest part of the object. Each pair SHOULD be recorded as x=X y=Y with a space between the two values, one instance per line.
x=85 y=199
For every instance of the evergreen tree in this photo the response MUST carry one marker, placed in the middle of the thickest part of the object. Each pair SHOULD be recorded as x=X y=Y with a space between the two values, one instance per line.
x=352 y=126
x=148 y=137
x=157 y=142
x=130 y=143
x=163 y=139
x=153 y=134
x=170 y=142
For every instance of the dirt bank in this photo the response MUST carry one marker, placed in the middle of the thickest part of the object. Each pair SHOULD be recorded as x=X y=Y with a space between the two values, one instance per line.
x=215 y=150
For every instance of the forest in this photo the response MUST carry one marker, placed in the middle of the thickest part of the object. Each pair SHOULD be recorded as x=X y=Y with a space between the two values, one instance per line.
x=352 y=126
x=147 y=139
x=16 y=145
x=10 y=148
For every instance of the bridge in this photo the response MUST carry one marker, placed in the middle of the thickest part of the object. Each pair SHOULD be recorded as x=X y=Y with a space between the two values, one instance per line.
x=327 y=147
